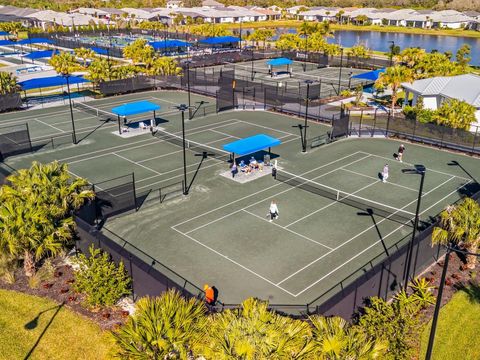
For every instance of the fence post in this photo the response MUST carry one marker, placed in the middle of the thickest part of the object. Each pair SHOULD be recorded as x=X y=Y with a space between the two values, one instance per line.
x=29 y=139
x=134 y=192
x=374 y=122
x=474 y=140
x=388 y=124
x=360 y=125
x=131 y=275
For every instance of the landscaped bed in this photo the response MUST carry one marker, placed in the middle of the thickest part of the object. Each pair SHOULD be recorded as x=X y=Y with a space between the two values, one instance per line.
x=38 y=328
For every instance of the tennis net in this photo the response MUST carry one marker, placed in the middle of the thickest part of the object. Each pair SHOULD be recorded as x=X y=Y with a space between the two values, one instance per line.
x=192 y=145
x=369 y=206
x=101 y=114
x=246 y=68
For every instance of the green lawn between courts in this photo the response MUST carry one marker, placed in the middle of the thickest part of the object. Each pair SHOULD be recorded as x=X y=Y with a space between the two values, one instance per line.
x=69 y=336
x=457 y=334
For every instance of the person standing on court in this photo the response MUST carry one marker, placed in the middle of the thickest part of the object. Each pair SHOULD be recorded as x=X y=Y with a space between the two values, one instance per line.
x=273 y=211
x=234 y=169
x=385 y=173
x=209 y=294
x=401 y=149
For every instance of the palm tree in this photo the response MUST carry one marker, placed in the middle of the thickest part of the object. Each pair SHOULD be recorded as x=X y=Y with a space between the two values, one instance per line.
x=64 y=63
x=167 y=327
x=139 y=51
x=261 y=35
x=85 y=54
x=410 y=57
x=8 y=83
x=254 y=332
x=460 y=224
x=36 y=211
x=163 y=66
x=335 y=339
x=99 y=70
x=26 y=231
x=393 y=77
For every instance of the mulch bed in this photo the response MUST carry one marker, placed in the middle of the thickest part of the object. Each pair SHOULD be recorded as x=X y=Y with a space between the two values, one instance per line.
x=457 y=278
x=59 y=289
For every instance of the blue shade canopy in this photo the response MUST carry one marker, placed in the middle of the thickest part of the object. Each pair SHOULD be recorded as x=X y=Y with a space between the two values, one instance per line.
x=251 y=144
x=220 y=40
x=279 y=62
x=42 y=54
x=134 y=108
x=369 y=75
x=50 y=81
x=35 y=41
x=99 y=51
x=169 y=44
x=7 y=42
x=4 y=33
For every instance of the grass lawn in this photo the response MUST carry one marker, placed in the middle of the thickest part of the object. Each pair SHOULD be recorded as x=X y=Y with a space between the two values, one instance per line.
x=458 y=328
x=25 y=325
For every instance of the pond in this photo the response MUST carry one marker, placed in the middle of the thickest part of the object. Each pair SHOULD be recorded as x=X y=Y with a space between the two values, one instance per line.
x=380 y=41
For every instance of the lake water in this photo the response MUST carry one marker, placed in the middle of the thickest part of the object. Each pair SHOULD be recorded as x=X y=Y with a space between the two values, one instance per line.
x=379 y=41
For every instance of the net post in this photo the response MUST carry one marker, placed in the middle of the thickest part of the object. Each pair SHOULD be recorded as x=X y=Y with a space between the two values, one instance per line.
x=134 y=192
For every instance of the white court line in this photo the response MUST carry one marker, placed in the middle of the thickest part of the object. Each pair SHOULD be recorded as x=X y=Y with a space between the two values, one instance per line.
x=134 y=162
x=269 y=128
x=233 y=261
x=53 y=127
x=173 y=177
x=428 y=169
x=257 y=202
x=331 y=204
x=291 y=231
x=129 y=145
x=260 y=191
x=357 y=235
x=222 y=133
x=338 y=267
x=372 y=177
x=178 y=151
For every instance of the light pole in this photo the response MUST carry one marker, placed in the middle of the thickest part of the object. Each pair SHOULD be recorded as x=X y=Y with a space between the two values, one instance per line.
x=241 y=21
x=418 y=170
x=391 y=51
x=74 y=135
x=253 y=57
x=438 y=303
x=188 y=90
x=340 y=72
x=307 y=100
x=306 y=53
x=183 y=108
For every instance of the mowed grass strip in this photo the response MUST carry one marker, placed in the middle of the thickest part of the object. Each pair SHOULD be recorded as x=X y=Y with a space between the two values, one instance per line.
x=69 y=336
x=457 y=335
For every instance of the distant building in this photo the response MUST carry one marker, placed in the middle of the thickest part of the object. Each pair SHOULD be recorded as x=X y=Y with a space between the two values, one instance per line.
x=211 y=4
x=174 y=4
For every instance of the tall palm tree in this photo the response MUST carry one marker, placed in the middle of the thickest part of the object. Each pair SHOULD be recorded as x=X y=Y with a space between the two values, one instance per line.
x=139 y=51
x=261 y=35
x=167 y=327
x=99 y=70
x=254 y=332
x=460 y=224
x=393 y=77
x=335 y=339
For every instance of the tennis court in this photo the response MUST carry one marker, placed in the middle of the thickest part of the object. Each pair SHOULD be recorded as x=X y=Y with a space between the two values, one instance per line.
x=220 y=233
x=300 y=72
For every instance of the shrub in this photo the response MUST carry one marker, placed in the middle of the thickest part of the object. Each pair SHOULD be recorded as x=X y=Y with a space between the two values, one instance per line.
x=393 y=322
x=100 y=279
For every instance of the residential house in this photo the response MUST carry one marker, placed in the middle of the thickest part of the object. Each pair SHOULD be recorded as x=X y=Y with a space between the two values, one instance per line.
x=434 y=91
x=319 y=14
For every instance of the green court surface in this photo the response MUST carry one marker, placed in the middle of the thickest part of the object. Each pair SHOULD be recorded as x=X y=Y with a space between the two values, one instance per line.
x=220 y=234
x=312 y=72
